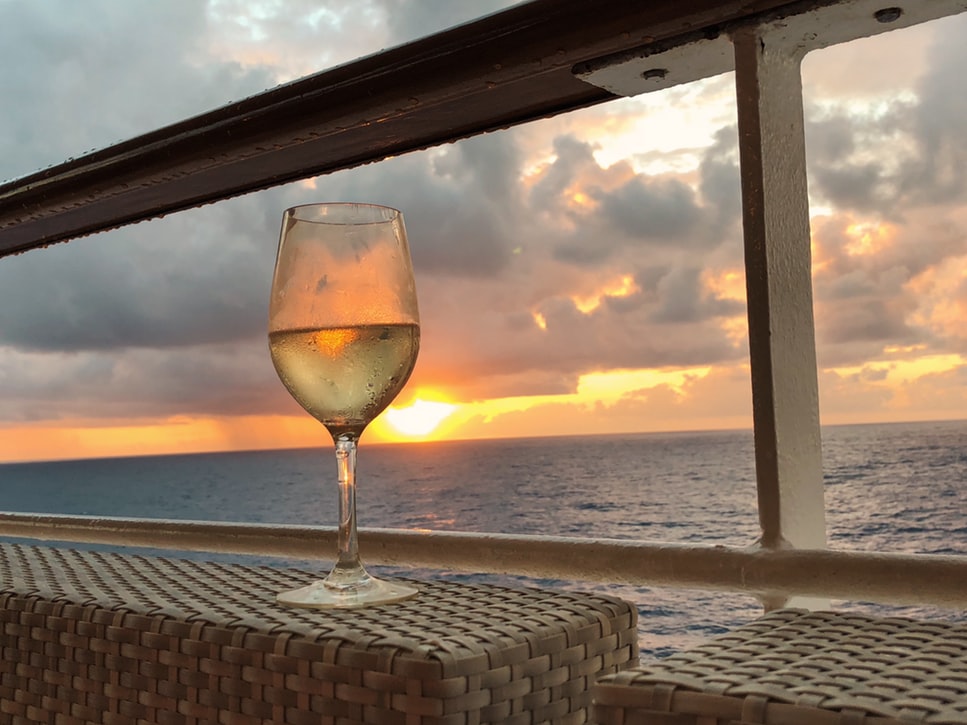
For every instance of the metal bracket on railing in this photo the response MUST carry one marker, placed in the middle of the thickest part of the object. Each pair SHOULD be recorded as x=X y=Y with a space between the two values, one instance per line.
x=657 y=66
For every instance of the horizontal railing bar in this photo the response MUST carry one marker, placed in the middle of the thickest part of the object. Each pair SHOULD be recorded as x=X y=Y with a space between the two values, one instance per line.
x=896 y=578
x=501 y=70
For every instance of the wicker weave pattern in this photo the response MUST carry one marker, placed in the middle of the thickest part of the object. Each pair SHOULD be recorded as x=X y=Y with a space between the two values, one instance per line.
x=105 y=638
x=792 y=667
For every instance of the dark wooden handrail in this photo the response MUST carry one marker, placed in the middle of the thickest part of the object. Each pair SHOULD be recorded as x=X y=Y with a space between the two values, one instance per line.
x=498 y=71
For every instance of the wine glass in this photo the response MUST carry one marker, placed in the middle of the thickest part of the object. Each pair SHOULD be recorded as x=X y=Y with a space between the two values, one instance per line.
x=344 y=332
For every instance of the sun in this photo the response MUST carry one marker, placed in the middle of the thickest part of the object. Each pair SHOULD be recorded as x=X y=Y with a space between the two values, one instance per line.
x=420 y=418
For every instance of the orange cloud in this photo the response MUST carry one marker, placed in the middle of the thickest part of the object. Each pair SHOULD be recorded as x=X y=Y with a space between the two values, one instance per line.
x=866 y=238
x=624 y=286
x=83 y=438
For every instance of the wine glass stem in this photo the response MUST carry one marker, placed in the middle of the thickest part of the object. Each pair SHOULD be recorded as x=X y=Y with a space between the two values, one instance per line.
x=348 y=570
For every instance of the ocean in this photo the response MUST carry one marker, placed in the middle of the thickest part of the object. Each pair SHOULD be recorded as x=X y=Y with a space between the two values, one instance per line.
x=890 y=487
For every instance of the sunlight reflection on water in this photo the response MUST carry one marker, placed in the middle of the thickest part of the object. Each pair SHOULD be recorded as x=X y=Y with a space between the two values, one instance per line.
x=888 y=488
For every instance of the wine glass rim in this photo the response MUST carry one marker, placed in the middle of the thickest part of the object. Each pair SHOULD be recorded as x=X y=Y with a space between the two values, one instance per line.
x=388 y=213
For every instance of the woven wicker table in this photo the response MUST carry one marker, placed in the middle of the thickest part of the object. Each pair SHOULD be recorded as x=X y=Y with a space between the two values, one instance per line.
x=793 y=667
x=106 y=638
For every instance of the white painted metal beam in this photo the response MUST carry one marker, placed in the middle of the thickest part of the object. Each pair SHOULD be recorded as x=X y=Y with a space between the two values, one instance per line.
x=815 y=25
x=778 y=271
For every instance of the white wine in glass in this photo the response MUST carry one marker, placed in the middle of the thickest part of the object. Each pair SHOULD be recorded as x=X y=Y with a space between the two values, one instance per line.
x=344 y=333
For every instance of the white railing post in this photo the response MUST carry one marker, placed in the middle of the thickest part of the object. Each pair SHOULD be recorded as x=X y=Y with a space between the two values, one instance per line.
x=766 y=56
x=785 y=394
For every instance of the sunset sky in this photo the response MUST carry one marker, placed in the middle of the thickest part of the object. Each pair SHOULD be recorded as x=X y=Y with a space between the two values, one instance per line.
x=577 y=275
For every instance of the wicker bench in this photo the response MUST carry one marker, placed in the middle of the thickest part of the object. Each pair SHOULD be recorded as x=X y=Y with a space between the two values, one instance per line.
x=106 y=638
x=793 y=667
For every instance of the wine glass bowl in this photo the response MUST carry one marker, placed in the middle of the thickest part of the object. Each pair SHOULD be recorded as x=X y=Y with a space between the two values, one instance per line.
x=344 y=333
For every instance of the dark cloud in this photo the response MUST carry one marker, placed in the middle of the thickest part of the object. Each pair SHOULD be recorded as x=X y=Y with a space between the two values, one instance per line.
x=629 y=210
x=586 y=251
x=169 y=317
x=140 y=383
x=863 y=159
x=89 y=76
x=941 y=117
x=830 y=137
x=458 y=203
x=663 y=209
x=481 y=334
x=869 y=320
x=496 y=343
x=894 y=173
x=866 y=187
x=684 y=299
x=201 y=276
x=902 y=151
x=192 y=278
x=79 y=77
x=487 y=252
x=720 y=183
x=608 y=339
x=572 y=158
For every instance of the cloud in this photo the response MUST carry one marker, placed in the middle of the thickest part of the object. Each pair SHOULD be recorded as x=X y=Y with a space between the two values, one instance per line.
x=889 y=166
x=458 y=203
x=684 y=298
x=720 y=184
x=572 y=159
x=867 y=396
x=720 y=399
x=615 y=208
x=86 y=76
x=410 y=19
x=192 y=278
x=494 y=248
x=300 y=37
x=661 y=209
x=882 y=284
x=537 y=261
x=183 y=294
x=940 y=118
x=862 y=187
x=140 y=383
x=883 y=153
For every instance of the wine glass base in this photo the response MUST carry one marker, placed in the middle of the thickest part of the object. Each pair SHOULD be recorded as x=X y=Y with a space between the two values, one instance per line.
x=323 y=595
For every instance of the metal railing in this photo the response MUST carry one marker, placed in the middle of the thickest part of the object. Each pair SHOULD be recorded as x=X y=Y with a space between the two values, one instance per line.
x=772 y=575
x=534 y=60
